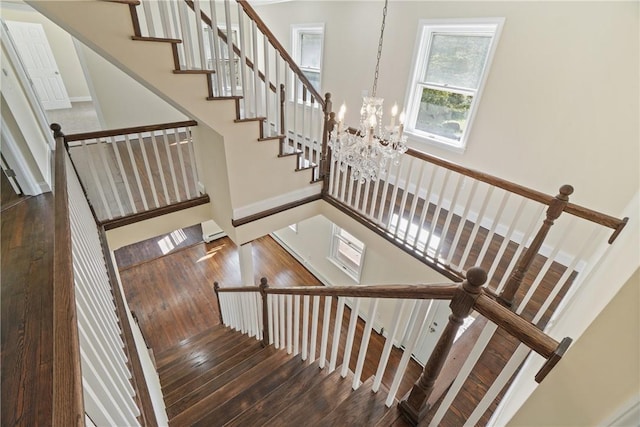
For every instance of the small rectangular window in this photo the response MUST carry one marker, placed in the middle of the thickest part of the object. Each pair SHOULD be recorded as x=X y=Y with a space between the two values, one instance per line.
x=347 y=252
x=450 y=67
x=307 y=42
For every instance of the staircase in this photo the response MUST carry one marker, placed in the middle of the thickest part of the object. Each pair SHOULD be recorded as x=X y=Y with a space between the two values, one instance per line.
x=223 y=377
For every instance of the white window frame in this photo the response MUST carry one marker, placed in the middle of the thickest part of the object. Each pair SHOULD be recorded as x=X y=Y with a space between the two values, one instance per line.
x=427 y=28
x=296 y=31
x=335 y=258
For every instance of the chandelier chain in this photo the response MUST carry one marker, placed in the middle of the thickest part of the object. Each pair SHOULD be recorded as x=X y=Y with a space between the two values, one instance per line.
x=375 y=76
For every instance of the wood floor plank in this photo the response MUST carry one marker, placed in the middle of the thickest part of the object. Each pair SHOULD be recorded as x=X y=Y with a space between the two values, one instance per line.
x=205 y=363
x=363 y=408
x=203 y=406
x=207 y=354
x=252 y=394
x=310 y=407
x=275 y=402
x=202 y=338
x=177 y=391
x=26 y=312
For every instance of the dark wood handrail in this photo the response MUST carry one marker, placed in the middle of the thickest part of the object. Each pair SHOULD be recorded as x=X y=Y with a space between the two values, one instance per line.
x=443 y=291
x=137 y=378
x=128 y=131
x=68 y=405
x=538 y=196
x=283 y=52
x=434 y=291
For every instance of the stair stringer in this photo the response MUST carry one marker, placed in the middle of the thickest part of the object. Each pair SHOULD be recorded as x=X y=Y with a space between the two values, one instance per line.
x=256 y=177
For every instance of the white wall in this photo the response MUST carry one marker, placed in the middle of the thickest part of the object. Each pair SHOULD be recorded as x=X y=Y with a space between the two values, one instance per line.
x=123 y=101
x=61 y=45
x=598 y=374
x=560 y=104
x=383 y=262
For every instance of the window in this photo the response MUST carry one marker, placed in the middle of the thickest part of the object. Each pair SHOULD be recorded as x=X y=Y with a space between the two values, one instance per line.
x=451 y=64
x=307 y=41
x=347 y=252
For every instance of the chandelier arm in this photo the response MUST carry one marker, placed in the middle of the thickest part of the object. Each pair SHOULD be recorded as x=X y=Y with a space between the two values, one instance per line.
x=375 y=75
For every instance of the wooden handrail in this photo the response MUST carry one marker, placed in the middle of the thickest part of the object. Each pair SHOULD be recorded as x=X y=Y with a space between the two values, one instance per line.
x=538 y=196
x=138 y=379
x=68 y=405
x=283 y=52
x=439 y=291
x=443 y=291
x=128 y=131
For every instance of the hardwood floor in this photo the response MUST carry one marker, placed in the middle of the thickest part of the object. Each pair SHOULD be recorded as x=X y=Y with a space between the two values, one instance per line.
x=27 y=316
x=8 y=196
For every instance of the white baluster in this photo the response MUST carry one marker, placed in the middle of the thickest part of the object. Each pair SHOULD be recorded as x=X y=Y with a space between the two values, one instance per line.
x=276 y=321
x=474 y=232
x=232 y=65
x=416 y=331
x=364 y=343
x=281 y=312
x=97 y=182
x=147 y=168
x=425 y=208
x=183 y=13
x=246 y=94
x=325 y=331
x=266 y=125
x=154 y=144
x=436 y=213
x=403 y=201
x=216 y=53
x=167 y=148
x=314 y=329
x=134 y=166
x=199 y=33
x=192 y=160
x=336 y=334
x=305 y=326
x=256 y=77
x=348 y=348
x=122 y=173
x=492 y=231
x=107 y=168
x=289 y=323
x=271 y=317
x=178 y=143
x=450 y=213
x=296 y=324
x=388 y=345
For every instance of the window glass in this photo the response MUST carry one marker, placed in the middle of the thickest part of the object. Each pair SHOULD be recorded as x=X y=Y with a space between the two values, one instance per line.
x=451 y=63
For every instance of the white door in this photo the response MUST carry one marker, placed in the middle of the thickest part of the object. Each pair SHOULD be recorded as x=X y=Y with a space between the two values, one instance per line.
x=35 y=52
x=437 y=319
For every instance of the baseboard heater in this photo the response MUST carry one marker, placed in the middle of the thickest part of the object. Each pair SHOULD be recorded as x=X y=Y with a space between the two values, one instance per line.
x=211 y=231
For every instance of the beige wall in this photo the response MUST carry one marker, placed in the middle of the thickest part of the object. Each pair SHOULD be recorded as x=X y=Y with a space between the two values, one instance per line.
x=123 y=101
x=61 y=46
x=561 y=101
x=600 y=372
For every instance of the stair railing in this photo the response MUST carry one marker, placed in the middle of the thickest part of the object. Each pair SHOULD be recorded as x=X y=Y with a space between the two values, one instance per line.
x=135 y=173
x=97 y=373
x=452 y=217
x=242 y=60
x=291 y=319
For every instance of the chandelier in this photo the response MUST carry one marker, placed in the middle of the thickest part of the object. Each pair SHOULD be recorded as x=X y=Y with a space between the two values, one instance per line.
x=371 y=149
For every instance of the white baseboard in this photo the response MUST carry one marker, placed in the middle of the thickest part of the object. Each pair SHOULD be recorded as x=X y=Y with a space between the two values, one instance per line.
x=80 y=98
x=274 y=202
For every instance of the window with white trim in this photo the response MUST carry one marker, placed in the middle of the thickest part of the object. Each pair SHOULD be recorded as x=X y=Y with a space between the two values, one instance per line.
x=451 y=63
x=307 y=41
x=347 y=252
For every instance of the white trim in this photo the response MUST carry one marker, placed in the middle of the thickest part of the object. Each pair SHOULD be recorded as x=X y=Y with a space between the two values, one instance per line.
x=87 y=77
x=16 y=161
x=418 y=64
x=279 y=200
x=296 y=29
x=80 y=98
x=627 y=414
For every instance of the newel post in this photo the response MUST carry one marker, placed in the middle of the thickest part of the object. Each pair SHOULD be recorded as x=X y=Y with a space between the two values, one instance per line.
x=415 y=406
x=265 y=311
x=216 y=289
x=329 y=123
x=554 y=210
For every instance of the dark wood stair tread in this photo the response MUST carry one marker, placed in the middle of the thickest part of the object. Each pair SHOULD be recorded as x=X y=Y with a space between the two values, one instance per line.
x=316 y=402
x=211 y=378
x=393 y=417
x=208 y=358
x=363 y=408
x=167 y=356
x=214 y=346
x=253 y=394
x=280 y=398
x=238 y=380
